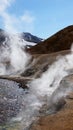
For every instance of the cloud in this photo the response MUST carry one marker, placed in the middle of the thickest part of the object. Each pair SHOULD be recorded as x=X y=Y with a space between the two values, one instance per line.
x=14 y=24
x=17 y=24
x=27 y=17
x=27 y=21
x=6 y=18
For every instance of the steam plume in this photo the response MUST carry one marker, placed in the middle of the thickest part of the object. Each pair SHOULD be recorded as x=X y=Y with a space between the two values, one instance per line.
x=47 y=90
x=13 y=58
x=51 y=79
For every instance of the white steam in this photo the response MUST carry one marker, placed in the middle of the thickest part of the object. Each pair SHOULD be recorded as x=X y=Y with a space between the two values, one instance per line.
x=13 y=23
x=19 y=58
x=46 y=91
x=51 y=79
x=13 y=58
x=4 y=4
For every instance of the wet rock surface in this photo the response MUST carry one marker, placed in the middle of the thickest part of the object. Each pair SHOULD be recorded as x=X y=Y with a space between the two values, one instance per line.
x=22 y=81
x=10 y=100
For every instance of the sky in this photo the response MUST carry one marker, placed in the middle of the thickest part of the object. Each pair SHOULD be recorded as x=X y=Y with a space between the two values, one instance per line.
x=42 y=18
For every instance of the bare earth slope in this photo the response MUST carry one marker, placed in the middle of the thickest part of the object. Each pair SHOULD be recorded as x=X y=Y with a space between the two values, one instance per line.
x=62 y=40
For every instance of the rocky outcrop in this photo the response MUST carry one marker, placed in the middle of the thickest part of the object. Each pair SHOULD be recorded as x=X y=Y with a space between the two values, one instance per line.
x=18 y=79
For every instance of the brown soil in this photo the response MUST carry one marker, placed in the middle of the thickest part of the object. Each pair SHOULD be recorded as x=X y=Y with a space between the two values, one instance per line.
x=62 y=40
x=63 y=120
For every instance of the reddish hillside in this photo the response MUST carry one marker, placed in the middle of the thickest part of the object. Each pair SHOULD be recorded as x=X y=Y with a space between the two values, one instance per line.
x=62 y=40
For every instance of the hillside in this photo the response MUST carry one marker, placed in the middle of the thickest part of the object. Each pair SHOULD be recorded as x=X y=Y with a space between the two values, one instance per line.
x=62 y=40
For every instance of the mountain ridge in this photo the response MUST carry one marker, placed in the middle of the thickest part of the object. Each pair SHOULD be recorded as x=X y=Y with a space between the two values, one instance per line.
x=31 y=38
x=61 y=40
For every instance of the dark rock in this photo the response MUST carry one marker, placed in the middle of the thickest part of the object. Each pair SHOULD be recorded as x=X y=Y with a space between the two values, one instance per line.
x=31 y=38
